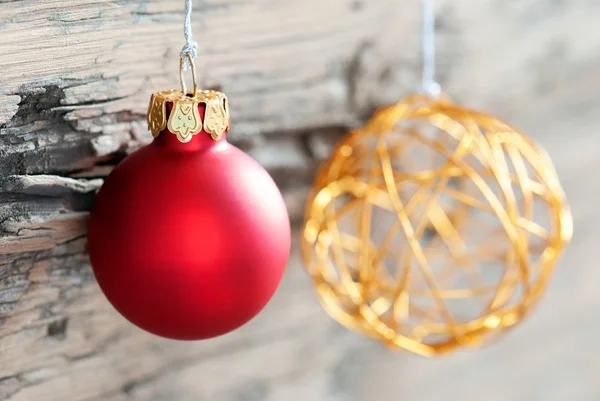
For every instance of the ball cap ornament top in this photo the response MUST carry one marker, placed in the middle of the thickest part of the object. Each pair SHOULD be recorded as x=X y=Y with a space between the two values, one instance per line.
x=434 y=227
x=184 y=119
x=189 y=236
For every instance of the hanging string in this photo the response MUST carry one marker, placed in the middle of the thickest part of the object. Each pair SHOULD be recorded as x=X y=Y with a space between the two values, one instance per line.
x=428 y=83
x=190 y=47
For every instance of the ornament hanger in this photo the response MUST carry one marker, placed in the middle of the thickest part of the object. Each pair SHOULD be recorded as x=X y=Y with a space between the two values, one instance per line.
x=189 y=50
x=183 y=118
x=428 y=82
x=182 y=63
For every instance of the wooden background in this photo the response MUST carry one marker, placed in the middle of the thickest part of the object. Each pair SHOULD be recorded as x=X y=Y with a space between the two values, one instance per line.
x=75 y=77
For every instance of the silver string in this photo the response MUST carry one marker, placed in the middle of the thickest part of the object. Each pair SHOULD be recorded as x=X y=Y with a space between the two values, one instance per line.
x=190 y=47
x=428 y=83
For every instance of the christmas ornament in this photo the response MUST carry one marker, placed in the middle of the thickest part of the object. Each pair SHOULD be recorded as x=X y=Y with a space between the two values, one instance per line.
x=189 y=236
x=434 y=226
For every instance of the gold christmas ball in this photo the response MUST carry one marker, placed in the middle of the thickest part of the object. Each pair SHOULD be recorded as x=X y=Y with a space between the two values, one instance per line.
x=434 y=227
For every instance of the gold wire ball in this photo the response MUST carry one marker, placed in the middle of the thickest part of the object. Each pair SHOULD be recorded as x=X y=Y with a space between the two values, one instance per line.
x=434 y=227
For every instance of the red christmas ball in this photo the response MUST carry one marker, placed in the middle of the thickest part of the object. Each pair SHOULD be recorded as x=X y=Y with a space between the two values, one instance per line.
x=189 y=240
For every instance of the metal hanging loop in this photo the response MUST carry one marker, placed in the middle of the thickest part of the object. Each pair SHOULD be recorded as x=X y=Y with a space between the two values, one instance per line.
x=181 y=75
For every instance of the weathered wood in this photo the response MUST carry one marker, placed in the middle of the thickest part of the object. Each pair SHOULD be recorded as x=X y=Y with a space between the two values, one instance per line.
x=86 y=69
x=74 y=83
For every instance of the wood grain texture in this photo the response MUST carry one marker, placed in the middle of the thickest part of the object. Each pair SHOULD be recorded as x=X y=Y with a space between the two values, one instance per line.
x=97 y=59
x=74 y=84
